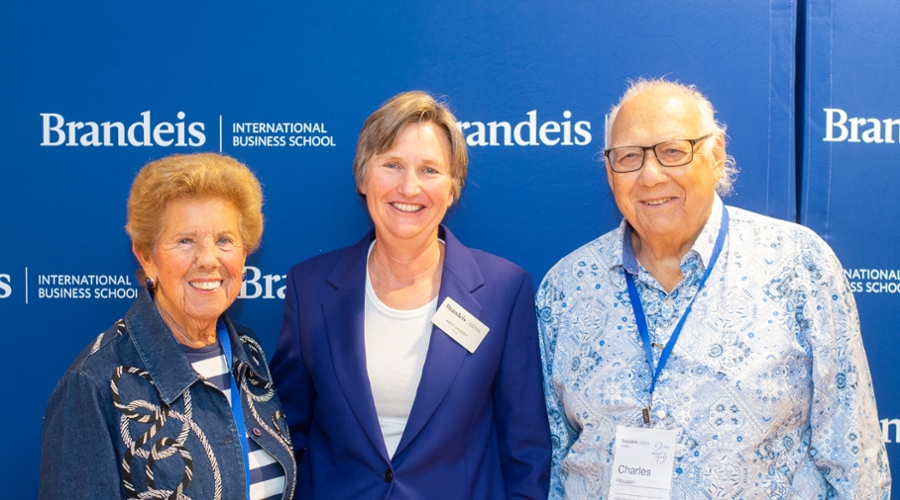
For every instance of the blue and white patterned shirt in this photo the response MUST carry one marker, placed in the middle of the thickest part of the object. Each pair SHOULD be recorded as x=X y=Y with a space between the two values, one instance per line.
x=768 y=386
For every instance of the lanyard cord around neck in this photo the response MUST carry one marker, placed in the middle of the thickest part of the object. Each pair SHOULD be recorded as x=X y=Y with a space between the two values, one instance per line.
x=236 y=407
x=642 y=320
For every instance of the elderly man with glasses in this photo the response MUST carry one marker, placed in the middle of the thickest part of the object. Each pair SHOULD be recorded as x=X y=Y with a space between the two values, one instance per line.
x=701 y=351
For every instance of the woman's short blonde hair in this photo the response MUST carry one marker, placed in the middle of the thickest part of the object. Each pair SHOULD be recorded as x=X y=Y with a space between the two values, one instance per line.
x=381 y=129
x=198 y=175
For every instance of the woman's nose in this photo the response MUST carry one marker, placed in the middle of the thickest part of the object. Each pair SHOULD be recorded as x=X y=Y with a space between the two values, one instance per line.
x=410 y=183
x=207 y=255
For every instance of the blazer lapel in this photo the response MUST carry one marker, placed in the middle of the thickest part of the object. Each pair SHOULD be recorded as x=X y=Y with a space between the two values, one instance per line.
x=460 y=277
x=344 y=313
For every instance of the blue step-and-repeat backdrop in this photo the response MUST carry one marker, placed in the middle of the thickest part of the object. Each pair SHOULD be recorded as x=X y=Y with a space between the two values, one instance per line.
x=285 y=87
x=850 y=148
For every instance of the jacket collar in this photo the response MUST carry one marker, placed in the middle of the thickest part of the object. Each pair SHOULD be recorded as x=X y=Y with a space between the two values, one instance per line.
x=162 y=357
x=460 y=278
x=458 y=260
x=344 y=313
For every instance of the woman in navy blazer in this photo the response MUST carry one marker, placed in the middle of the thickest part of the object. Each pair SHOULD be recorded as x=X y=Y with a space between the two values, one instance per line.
x=471 y=425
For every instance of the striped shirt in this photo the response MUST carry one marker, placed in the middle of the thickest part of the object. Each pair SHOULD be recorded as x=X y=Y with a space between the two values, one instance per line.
x=266 y=475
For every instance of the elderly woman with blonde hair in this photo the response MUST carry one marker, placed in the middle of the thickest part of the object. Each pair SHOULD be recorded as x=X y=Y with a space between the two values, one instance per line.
x=175 y=400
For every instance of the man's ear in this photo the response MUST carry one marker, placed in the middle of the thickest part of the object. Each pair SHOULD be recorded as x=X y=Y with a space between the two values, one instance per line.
x=609 y=171
x=718 y=153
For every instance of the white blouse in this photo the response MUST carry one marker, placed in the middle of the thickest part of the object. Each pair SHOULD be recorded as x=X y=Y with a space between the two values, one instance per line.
x=396 y=344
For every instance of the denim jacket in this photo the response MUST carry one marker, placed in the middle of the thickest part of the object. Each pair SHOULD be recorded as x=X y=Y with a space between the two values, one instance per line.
x=131 y=417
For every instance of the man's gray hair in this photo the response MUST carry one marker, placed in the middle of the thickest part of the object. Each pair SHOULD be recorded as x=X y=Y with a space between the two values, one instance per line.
x=708 y=122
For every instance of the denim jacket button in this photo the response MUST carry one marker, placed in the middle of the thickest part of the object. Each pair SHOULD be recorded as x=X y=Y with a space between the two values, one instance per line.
x=257 y=432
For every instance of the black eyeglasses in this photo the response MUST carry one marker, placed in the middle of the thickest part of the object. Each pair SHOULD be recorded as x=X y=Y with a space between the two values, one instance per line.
x=669 y=154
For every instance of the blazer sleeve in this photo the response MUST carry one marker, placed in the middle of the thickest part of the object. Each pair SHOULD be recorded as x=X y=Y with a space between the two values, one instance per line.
x=292 y=379
x=521 y=417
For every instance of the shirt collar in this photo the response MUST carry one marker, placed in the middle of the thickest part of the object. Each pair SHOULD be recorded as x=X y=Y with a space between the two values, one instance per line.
x=171 y=372
x=703 y=246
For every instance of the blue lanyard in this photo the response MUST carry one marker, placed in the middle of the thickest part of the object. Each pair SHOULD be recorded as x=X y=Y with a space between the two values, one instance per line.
x=236 y=407
x=642 y=320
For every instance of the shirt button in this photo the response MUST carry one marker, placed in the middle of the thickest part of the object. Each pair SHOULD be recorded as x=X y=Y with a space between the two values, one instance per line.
x=669 y=301
x=388 y=475
x=257 y=432
x=661 y=414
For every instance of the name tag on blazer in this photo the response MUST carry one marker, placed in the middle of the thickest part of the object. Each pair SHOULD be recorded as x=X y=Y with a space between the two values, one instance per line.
x=460 y=325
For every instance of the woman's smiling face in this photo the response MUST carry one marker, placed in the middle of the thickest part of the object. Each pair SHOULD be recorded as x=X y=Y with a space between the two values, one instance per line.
x=408 y=188
x=197 y=262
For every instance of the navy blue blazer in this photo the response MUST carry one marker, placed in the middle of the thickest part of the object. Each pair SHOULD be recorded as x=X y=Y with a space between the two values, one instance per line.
x=478 y=426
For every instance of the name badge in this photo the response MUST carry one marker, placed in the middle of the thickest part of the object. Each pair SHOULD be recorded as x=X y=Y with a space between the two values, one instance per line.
x=460 y=325
x=643 y=465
